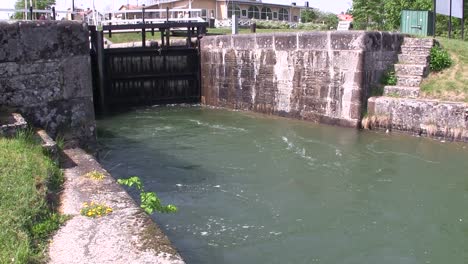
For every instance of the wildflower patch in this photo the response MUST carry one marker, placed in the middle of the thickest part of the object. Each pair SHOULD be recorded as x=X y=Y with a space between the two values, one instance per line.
x=94 y=210
x=95 y=175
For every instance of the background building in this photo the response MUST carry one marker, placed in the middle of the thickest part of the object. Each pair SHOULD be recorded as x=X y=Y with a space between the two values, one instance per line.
x=224 y=9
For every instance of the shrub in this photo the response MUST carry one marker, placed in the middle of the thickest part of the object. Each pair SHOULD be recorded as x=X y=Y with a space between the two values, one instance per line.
x=440 y=59
x=271 y=24
x=311 y=26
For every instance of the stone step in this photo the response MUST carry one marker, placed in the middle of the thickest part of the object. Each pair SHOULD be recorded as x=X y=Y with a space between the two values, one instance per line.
x=411 y=69
x=418 y=42
x=401 y=91
x=413 y=59
x=415 y=51
x=408 y=80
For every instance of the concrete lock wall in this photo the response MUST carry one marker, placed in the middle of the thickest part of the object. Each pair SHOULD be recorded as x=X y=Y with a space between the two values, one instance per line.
x=319 y=76
x=45 y=74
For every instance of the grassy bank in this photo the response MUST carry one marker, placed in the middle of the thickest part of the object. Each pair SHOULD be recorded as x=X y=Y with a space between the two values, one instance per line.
x=450 y=84
x=28 y=177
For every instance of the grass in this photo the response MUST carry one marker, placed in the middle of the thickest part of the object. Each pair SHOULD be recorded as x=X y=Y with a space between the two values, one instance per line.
x=28 y=180
x=136 y=37
x=450 y=84
x=132 y=37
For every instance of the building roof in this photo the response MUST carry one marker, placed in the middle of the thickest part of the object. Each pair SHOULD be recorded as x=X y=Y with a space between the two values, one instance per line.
x=130 y=7
x=345 y=17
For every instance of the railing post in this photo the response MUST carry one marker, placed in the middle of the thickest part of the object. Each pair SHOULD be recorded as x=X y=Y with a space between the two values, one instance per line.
x=31 y=12
x=189 y=35
x=100 y=61
x=143 y=31
x=143 y=36
x=54 y=16
x=168 y=32
x=167 y=14
x=162 y=36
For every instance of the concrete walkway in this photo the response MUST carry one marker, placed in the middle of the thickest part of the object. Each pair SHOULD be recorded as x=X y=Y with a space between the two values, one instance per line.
x=127 y=235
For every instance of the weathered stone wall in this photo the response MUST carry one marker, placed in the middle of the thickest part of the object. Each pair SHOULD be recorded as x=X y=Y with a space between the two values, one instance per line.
x=319 y=76
x=432 y=118
x=45 y=74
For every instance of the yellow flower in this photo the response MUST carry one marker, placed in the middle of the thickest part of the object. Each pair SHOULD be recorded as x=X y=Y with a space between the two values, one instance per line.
x=89 y=213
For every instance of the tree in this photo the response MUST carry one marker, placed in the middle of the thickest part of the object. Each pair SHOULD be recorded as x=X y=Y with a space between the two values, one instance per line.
x=308 y=15
x=329 y=19
x=37 y=4
x=368 y=14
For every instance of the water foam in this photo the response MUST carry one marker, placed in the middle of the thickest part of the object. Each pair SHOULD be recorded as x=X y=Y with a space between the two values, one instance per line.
x=216 y=126
x=301 y=152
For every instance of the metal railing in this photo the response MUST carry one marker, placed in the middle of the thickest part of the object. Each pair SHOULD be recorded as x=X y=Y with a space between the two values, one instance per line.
x=119 y=17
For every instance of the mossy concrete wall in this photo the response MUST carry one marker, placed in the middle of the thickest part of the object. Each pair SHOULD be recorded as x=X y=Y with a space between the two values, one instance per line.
x=45 y=74
x=319 y=76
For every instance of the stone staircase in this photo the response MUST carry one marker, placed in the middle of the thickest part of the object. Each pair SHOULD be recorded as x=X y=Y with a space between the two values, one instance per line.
x=412 y=67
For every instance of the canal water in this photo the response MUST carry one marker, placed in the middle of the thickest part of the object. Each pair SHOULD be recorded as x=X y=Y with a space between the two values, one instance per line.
x=261 y=189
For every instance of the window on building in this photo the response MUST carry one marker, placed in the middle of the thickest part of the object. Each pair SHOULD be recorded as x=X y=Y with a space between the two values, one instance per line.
x=295 y=19
x=254 y=12
x=203 y=13
x=275 y=15
x=283 y=15
x=266 y=13
x=244 y=12
x=236 y=9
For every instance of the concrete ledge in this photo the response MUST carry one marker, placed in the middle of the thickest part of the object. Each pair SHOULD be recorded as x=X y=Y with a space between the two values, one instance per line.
x=127 y=235
x=10 y=123
x=432 y=118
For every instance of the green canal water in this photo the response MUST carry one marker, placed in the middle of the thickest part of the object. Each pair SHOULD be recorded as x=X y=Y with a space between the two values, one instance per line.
x=258 y=189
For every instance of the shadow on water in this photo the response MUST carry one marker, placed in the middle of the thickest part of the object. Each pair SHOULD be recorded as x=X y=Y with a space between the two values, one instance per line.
x=144 y=161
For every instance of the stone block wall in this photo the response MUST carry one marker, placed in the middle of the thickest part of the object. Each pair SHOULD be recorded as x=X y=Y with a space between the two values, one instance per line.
x=45 y=74
x=320 y=76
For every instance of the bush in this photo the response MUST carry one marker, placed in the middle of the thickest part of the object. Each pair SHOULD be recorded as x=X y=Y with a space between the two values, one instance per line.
x=440 y=59
x=312 y=26
x=271 y=24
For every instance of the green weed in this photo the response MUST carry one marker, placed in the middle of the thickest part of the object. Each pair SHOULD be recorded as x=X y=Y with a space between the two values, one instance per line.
x=149 y=200
x=389 y=77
